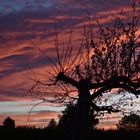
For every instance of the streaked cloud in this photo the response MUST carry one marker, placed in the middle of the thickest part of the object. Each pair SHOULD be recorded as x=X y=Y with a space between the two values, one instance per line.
x=19 y=111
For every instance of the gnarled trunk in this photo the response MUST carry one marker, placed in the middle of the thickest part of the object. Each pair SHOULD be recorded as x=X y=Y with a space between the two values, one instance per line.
x=83 y=112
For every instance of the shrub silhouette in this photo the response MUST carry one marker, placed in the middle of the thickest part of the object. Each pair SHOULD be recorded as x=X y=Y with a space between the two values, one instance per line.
x=52 y=124
x=9 y=123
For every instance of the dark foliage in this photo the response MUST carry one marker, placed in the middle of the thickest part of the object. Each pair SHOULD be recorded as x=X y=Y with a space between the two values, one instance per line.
x=52 y=123
x=9 y=123
x=130 y=122
x=68 y=119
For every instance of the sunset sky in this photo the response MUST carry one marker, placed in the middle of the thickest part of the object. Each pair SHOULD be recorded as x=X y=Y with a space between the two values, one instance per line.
x=24 y=22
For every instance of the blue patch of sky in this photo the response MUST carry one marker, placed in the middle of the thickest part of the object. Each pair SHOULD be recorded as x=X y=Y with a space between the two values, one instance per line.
x=22 y=107
x=17 y=5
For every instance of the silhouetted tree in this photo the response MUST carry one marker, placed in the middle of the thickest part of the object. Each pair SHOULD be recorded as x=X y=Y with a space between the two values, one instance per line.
x=52 y=124
x=9 y=123
x=68 y=117
x=109 y=62
x=130 y=122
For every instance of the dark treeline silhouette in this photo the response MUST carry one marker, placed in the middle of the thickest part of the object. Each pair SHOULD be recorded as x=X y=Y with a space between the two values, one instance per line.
x=127 y=128
x=57 y=133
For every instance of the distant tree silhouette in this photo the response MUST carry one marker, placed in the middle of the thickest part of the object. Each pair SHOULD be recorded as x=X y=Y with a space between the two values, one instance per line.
x=9 y=123
x=106 y=61
x=52 y=123
x=130 y=122
x=68 y=117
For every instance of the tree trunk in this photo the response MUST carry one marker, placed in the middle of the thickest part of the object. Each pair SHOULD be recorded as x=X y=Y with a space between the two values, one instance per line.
x=83 y=112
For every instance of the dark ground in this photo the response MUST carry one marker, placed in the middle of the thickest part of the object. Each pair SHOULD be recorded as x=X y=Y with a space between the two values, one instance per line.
x=31 y=133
